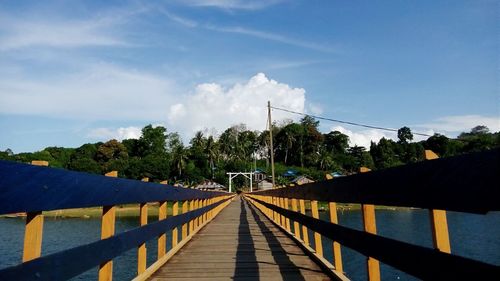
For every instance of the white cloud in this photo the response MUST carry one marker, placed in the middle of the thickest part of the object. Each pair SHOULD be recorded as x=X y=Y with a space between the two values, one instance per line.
x=364 y=137
x=97 y=91
x=27 y=31
x=118 y=134
x=212 y=106
x=233 y=4
x=462 y=123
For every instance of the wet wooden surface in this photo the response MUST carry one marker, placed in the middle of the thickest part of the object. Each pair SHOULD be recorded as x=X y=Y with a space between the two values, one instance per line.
x=240 y=244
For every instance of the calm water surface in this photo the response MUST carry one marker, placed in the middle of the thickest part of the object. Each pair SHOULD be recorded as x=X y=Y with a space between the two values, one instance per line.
x=473 y=236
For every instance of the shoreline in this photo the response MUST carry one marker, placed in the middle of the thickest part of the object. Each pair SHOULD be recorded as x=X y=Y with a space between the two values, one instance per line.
x=128 y=211
x=125 y=211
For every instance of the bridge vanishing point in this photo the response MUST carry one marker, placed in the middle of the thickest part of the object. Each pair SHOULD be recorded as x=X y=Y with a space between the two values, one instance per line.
x=262 y=235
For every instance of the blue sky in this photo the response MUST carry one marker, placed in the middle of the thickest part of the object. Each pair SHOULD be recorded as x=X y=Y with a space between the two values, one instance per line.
x=73 y=72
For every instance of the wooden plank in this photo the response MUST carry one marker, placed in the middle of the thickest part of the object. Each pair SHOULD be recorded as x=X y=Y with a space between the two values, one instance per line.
x=239 y=244
x=337 y=255
x=154 y=267
x=318 y=245
x=439 y=224
x=460 y=183
x=175 y=231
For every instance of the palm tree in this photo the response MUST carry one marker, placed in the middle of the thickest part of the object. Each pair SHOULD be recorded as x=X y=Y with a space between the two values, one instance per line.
x=211 y=153
x=179 y=158
x=289 y=138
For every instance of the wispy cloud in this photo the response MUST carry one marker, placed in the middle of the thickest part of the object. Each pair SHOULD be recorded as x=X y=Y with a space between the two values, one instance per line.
x=96 y=91
x=178 y=19
x=462 y=123
x=190 y=23
x=272 y=37
x=33 y=30
x=233 y=4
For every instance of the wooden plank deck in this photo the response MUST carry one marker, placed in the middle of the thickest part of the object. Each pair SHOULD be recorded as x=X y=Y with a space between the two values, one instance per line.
x=240 y=244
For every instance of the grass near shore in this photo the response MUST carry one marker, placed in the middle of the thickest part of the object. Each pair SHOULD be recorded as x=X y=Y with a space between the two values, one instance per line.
x=132 y=210
x=122 y=211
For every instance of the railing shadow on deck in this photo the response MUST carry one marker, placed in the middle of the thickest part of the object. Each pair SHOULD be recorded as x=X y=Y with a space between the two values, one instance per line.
x=245 y=252
x=467 y=183
x=285 y=265
x=33 y=189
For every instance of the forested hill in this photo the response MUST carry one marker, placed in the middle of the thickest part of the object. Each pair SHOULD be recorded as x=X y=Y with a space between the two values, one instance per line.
x=298 y=146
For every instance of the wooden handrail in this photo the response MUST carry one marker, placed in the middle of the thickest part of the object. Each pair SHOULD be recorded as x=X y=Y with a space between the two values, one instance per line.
x=431 y=184
x=31 y=189
x=421 y=262
x=28 y=188
x=69 y=263
x=466 y=183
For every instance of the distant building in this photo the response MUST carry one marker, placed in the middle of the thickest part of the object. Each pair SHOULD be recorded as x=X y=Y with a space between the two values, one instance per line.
x=265 y=184
x=300 y=180
x=259 y=175
x=210 y=185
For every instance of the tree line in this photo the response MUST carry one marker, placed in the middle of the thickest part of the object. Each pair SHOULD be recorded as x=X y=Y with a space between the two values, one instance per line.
x=298 y=146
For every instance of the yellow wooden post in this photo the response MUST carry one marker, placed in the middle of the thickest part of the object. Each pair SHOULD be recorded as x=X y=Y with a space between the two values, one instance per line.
x=205 y=215
x=184 y=226
x=318 y=245
x=202 y=217
x=33 y=236
x=107 y=230
x=287 y=220
x=337 y=256
x=277 y=216
x=141 y=250
x=305 y=234
x=296 y=229
x=175 y=212
x=439 y=224
x=196 y=220
x=33 y=232
x=191 y=222
x=283 y=218
x=370 y=226
x=162 y=239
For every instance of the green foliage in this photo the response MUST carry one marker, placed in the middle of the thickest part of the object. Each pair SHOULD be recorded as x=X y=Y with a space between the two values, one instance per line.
x=405 y=135
x=297 y=146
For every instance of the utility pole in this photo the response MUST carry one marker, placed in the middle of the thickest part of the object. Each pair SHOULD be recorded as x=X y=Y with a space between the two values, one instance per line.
x=271 y=140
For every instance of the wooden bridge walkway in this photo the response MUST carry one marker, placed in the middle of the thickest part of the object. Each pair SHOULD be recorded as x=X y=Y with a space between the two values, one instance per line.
x=240 y=244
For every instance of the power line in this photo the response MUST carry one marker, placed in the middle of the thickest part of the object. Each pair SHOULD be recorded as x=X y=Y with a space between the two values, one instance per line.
x=346 y=122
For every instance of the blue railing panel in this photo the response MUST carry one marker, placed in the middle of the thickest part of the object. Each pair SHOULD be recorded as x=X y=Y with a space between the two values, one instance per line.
x=28 y=188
